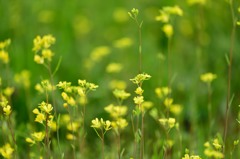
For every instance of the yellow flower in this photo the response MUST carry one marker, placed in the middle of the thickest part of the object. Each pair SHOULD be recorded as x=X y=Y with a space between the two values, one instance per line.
x=140 y=78
x=168 y=30
x=123 y=43
x=40 y=118
x=47 y=41
x=163 y=121
x=114 y=68
x=139 y=91
x=38 y=59
x=29 y=140
x=118 y=84
x=8 y=91
x=5 y=43
x=168 y=102
x=173 y=10
x=99 y=52
x=71 y=101
x=73 y=126
x=116 y=111
x=163 y=17
x=208 y=77
x=70 y=136
x=107 y=125
x=47 y=108
x=47 y=53
x=216 y=144
x=176 y=109
x=147 y=105
x=38 y=136
x=96 y=123
x=121 y=94
x=171 y=122
x=162 y=91
x=120 y=123
x=4 y=56
x=7 y=110
x=39 y=88
x=138 y=100
x=6 y=151
x=23 y=78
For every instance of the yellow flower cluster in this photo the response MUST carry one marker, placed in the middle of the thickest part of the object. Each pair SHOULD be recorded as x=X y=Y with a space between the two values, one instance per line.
x=117 y=113
x=121 y=94
x=140 y=78
x=214 y=149
x=123 y=43
x=164 y=17
x=187 y=156
x=43 y=113
x=3 y=53
x=72 y=95
x=114 y=68
x=4 y=102
x=117 y=84
x=168 y=123
x=101 y=124
x=6 y=151
x=35 y=138
x=163 y=93
x=43 y=44
x=96 y=55
x=208 y=77
x=44 y=86
x=23 y=78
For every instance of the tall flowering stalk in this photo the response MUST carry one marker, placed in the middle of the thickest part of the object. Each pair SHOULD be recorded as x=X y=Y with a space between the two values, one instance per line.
x=208 y=78
x=101 y=127
x=134 y=15
x=117 y=112
x=229 y=62
x=43 y=56
x=75 y=96
x=138 y=100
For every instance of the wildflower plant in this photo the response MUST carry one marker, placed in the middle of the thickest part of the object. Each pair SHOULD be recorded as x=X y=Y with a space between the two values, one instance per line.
x=101 y=127
x=117 y=112
x=75 y=100
x=208 y=78
x=4 y=57
x=138 y=101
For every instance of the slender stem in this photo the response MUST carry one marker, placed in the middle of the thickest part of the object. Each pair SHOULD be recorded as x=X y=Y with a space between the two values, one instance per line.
x=119 y=145
x=73 y=142
x=54 y=105
x=47 y=137
x=142 y=135
x=229 y=74
x=134 y=133
x=169 y=72
x=11 y=130
x=102 y=144
x=210 y=108
x=140 y=48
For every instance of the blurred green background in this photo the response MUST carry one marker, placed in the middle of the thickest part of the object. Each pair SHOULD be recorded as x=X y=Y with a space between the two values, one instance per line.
x=200 y=44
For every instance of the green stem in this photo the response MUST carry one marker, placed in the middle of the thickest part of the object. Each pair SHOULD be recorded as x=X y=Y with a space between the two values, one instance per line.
x=229 y=73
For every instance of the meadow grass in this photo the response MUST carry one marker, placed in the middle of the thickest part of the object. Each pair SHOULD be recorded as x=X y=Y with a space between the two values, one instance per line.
x=163 y=79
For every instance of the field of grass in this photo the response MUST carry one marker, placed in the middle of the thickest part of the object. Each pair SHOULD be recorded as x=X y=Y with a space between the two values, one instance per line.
x=140 y=79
